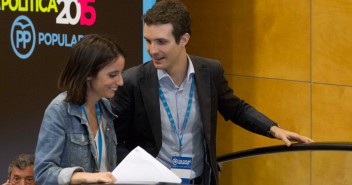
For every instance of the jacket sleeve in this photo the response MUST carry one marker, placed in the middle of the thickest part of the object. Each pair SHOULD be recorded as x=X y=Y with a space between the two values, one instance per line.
x=238 y=111
x=49 y=149
x=123 y=107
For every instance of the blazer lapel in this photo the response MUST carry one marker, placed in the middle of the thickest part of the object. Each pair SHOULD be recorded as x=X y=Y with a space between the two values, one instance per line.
x=203 y=85
x=150 y=96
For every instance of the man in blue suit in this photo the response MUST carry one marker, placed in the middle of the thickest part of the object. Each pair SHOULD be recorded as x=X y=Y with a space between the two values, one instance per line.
x=169 y=106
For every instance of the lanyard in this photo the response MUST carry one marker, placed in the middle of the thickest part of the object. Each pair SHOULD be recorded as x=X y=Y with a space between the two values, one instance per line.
x=169 y=114
x=100 y=139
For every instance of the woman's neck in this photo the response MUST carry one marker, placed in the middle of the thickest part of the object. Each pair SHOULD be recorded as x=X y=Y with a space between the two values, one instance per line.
x=91 y=100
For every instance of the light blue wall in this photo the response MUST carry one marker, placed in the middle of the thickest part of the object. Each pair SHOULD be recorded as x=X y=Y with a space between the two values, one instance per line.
x=147 y=4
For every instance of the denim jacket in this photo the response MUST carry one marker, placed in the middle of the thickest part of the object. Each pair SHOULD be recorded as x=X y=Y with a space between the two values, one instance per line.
x=64 y=144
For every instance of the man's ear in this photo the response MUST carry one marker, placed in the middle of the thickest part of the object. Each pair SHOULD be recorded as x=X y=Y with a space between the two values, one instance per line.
x=184 y=39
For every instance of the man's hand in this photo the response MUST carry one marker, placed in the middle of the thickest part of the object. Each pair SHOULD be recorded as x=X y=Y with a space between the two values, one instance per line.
x=7 y=183
x=287 y=136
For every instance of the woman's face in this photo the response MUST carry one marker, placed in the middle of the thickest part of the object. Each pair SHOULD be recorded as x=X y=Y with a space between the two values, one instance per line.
x=106 y=82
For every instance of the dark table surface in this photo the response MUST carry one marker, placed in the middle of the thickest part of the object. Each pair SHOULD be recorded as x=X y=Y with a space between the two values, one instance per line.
x=161 y=183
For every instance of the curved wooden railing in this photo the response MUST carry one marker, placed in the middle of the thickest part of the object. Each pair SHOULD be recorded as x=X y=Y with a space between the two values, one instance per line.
x=316 y=146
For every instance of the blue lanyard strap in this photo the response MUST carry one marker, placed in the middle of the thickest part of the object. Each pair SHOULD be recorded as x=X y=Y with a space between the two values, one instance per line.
x=169 y=114
x=100 y=138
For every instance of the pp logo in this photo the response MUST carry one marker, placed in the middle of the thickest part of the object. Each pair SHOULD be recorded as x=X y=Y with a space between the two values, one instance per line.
x=174 y=161
x=23 y=37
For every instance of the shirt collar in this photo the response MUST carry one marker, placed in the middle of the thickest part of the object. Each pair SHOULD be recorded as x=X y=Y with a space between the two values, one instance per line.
x=190 y=70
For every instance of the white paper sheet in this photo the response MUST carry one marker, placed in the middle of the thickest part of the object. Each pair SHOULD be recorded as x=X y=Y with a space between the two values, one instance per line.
x=139 y=167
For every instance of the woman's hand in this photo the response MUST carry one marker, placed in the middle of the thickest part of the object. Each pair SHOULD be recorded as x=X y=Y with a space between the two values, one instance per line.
x=85 y=177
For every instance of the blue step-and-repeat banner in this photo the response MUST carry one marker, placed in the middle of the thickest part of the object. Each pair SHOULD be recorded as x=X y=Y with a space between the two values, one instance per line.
x=35 y=39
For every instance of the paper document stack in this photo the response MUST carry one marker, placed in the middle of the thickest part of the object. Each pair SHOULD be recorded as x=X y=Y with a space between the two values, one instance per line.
x=139 y=167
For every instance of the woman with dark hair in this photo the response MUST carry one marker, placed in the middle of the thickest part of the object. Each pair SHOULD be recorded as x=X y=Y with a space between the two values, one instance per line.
x=77 y=142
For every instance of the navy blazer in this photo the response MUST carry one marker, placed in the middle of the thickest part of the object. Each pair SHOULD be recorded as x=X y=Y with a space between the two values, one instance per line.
x=139 y=124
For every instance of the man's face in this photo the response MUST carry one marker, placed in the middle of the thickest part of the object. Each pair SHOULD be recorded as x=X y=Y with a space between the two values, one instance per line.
x=22 y=176
x=162 y=46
